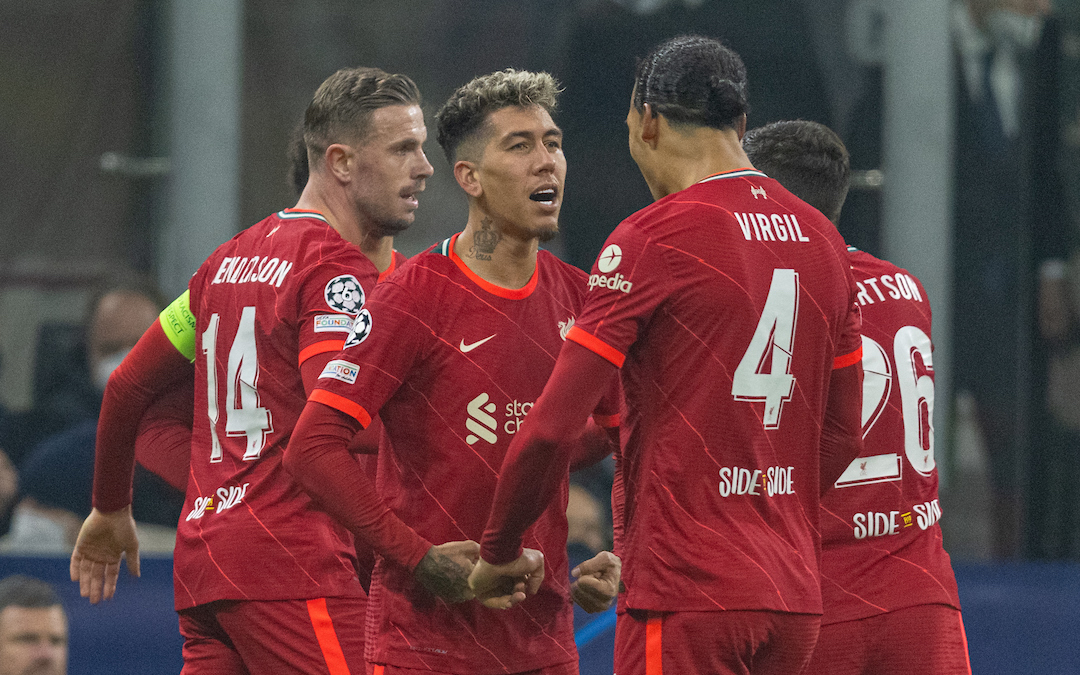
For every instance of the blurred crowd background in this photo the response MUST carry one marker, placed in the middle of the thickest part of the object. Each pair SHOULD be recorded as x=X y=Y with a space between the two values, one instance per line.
x=136 y=136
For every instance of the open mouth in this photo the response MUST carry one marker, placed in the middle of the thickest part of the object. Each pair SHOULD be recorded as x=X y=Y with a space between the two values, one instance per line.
x=545 y=196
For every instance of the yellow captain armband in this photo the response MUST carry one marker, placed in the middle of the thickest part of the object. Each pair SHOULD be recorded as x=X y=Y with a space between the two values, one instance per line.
x=179 y=325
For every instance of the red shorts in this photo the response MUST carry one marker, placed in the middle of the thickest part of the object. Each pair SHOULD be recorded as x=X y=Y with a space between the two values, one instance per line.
x=730 y=642
x=570 y=668
x=234 y=637
x=910 y=641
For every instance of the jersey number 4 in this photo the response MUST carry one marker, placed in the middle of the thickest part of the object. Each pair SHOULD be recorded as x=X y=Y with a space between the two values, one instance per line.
x=764 y=373
x=244 y=416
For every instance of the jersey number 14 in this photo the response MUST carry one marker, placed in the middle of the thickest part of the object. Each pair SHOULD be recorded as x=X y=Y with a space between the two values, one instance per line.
x=243 y=415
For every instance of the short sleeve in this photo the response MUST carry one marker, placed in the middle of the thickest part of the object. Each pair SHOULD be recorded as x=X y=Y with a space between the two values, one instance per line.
x=386 y=340
x=627 y=283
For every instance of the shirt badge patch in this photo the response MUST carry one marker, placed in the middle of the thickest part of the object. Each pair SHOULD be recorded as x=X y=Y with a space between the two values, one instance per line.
x=361 y=328
x=344 y=294
x=333 y=323
x=343 y=371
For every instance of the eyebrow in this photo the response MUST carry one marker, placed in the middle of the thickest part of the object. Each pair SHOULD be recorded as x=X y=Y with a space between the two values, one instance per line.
x=554 y=131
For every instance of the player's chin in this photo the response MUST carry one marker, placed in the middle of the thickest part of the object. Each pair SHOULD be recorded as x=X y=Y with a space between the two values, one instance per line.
x=547 y=232
x=388 y=227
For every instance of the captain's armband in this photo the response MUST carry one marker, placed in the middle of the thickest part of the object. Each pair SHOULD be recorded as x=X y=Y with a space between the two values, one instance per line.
x=178 y=323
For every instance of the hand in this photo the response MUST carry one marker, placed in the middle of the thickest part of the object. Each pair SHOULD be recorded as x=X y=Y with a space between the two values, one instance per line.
x=104 y=539
x=445 y=570
x=597 y=582
x=503 y=586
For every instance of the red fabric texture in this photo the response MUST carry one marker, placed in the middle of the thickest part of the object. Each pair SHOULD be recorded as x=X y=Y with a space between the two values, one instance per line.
x=841 y=430
x=149 y=369
x=714 y=643
x=536 y=461
x=163 y=445
x=319 y=459
x=291 y=639
x=910 y=641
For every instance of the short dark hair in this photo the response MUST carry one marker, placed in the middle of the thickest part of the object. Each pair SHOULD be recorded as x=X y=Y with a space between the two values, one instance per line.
x=341 y=109
x=693 y=81
x=464 y=114
x=808 y=159
x=19 y=590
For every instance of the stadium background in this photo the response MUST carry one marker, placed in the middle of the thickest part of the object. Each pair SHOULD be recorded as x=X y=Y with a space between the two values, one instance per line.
x=139 y=135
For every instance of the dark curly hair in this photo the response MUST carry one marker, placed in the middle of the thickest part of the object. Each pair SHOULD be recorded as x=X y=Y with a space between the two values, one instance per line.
x=692 y=81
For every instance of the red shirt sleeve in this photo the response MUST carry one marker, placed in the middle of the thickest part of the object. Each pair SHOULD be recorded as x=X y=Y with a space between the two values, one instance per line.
x=319 y=458
x=841 y=430
x=538 y=459
x=163 y=446
x=152 y=367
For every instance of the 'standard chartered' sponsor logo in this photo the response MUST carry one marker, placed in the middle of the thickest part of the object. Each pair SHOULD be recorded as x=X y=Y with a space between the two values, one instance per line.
x=480 y=422
x=227 y=499
x=361 y=328
x=343 y=371
x=333 y=323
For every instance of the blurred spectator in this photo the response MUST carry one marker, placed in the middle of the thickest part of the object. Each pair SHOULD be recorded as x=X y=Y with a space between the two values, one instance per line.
x=1053 y=503
x=33 y=628
x=1007 y=222
x=55 y=479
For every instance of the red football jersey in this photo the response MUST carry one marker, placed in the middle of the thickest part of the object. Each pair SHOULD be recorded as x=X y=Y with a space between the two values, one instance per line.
x=452 y=364
x=727 y=305
x=287 y=286
x=881 y=541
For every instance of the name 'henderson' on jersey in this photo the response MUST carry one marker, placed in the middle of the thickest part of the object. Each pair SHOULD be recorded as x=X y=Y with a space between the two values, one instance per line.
x=727 y=305
x=287 y=286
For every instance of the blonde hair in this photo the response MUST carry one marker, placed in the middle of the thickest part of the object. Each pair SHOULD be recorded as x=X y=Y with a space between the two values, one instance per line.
x=463 y=117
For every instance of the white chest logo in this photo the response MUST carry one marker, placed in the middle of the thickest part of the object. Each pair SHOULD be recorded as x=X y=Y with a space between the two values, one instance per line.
x=609 y=258
x=466 y=348
x=758 y=191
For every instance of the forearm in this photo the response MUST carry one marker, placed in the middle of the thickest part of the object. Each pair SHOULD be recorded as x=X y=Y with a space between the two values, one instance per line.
x=539 y=458
x=319 y=459
x=841 y=430
x=151 y=367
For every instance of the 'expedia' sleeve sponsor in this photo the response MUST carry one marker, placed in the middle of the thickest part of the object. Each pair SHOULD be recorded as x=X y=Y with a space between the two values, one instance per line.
x=626 y=285
x=388 y=338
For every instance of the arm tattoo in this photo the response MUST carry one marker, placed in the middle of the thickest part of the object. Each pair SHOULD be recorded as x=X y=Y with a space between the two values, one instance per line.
x=444 y=577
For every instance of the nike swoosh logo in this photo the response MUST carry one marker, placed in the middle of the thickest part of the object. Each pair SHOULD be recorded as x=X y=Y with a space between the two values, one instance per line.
x=465 y=349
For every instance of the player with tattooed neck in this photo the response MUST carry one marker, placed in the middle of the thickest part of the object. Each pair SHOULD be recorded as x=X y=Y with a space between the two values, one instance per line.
x=456 y=347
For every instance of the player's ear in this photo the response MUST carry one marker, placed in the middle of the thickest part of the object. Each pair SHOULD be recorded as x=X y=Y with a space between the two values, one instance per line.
x=740 y=126
x=467 y=175
x=338 y=159
x=650 y=125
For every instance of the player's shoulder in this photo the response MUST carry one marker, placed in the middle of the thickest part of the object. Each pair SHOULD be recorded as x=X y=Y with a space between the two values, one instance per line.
x=558 y=268
x=863 y=263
